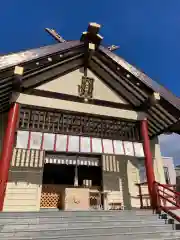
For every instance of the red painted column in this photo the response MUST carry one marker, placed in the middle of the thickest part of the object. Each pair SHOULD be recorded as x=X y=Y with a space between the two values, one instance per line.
x=148 y=161
x=7 y=150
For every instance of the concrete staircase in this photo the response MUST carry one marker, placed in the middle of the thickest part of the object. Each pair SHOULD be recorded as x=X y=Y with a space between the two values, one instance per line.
x=85 y=225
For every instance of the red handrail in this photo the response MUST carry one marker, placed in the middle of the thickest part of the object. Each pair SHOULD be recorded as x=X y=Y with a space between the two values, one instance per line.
x=166 y=194
x=173 y=197
x=168 y=188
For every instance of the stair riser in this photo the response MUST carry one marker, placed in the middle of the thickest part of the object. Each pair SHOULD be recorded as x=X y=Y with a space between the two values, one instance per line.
x=71 y=232
x=59 y=219
x=11 y=228
x=79 y=216
x=74 y=213
x=157 y=236
x=68 y=214
x=84 y=225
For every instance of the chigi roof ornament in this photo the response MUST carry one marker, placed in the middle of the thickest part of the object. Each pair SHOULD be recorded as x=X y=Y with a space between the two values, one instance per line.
x=55 y=35
x=113 y=48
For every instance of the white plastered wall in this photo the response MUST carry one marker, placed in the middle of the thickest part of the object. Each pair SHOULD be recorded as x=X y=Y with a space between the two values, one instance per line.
x=68 y=84
x=24 y=185
x=23 y=190
x=120 y=175
x=121 y=181
x=157 y=160
x=133 y=179
x=79 y=107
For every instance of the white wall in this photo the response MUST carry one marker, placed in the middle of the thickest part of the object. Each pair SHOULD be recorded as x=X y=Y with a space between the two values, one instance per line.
x=68 y=84
x=120 y=175
x=157 y=161
x=169 y=163
x=23 y=190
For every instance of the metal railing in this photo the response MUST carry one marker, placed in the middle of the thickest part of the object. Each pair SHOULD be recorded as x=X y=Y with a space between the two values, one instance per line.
x=166 y=198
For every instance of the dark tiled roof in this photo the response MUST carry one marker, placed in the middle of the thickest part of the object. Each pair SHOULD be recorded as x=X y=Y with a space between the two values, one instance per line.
x=111 y=68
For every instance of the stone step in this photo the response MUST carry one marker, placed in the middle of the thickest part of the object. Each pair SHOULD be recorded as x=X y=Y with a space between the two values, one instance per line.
x=78 y=225
x=84 y=231
x=34 y=220
x=71 y=221
x=75 y=213
x=158 y=235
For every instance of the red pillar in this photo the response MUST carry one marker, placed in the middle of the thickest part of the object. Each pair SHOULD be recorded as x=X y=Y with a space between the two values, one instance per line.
x=7 y=150
x=148 y=162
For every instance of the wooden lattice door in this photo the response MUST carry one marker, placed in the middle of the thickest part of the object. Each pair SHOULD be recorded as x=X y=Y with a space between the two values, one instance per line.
x=51 y=196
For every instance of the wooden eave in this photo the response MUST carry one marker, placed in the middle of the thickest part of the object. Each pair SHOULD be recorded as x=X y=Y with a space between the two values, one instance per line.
x=46 y=63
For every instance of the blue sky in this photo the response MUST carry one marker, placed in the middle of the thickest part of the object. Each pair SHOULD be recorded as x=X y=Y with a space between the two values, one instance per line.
x=148 y=32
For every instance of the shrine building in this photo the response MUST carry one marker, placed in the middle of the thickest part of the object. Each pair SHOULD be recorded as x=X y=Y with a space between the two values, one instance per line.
x=77 y=122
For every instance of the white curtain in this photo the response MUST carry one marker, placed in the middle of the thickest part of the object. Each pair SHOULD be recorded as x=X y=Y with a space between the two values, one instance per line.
x=108 y=146
x=85 y=145
x=96 y=145
x=118 y=147
x=36 y=140
x=73 y=144
x=138 y=148
x=48 y=143
x=22 y=139
x=61 y=142
x=128 y=148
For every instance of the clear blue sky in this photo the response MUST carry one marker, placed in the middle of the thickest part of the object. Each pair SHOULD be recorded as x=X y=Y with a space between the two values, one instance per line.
x=148 y=32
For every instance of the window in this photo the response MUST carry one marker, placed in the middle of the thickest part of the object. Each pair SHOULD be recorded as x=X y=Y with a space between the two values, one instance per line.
x=166 y=174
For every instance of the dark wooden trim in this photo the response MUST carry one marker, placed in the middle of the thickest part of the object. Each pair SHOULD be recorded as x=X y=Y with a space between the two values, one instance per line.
x=47 y=74
x=39 y=108
x=103 y=74
x=33 y=118
x=68 y=97
x=148 y=85
x=172 y=107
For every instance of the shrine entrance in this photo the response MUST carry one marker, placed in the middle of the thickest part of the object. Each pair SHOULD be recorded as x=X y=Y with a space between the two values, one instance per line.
x=73 y=172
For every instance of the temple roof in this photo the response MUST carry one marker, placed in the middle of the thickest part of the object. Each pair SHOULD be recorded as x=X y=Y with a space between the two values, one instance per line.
x=45 y=63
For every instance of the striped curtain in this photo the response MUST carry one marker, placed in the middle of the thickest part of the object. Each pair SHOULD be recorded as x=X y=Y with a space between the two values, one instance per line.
x=72 y=160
